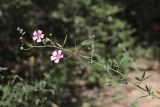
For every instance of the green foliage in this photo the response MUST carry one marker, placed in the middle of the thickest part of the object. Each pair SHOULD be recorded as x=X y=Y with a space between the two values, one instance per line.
x=134 y=104
x=46 y=85
x=144 y=16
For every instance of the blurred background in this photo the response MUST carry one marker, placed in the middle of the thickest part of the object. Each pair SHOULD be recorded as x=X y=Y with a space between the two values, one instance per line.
x=30 y=79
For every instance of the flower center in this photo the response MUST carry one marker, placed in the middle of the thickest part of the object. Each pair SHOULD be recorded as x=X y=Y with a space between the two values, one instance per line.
x=58 y=56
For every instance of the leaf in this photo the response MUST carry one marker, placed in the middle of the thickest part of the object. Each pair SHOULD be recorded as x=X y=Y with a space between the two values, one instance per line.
x=147 y=77
x=137 y=78
x=158 y=92
x=59 y=45
x=65 y=40
x=144 y=96
x=3 y=68
x=148 y=89
x=29 y=45
x=86 y=2
x=47 y=40
x=23 y=33
x=44 y=41
x=144 y=73
x=87 y=42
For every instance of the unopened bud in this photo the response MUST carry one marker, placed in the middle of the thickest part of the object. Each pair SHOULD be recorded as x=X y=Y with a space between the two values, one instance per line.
x=47 y=39
x=110 y=19
x=90 y=37
x=21 y=38
x=18 y=28
x=21 y=48
x=50 y=34
x=89 y=48
x=30 y=45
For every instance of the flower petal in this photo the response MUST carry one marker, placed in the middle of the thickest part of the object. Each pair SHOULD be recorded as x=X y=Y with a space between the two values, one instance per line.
x=34 y=38
x=54 y=53
x=39 y=31
x=35 y=33
x=61 y=56
x=52 y=58
x=39 y=40
x=42 y=36
x=59 y=52
x=56 y=61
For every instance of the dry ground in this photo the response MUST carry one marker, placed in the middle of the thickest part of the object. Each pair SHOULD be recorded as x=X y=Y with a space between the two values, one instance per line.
x=129 y=95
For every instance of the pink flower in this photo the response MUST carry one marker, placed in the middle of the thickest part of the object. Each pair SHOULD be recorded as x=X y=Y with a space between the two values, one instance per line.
x=37 y=36
x=56 y=56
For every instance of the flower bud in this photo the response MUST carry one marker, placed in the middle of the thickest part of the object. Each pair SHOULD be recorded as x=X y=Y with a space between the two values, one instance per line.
x=21 y=48
x=50 y=34
x=21 y=38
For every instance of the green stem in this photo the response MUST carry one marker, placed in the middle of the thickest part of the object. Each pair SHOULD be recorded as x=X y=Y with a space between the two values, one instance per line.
x=50 y=46
x=123 y=76
x=93 y=61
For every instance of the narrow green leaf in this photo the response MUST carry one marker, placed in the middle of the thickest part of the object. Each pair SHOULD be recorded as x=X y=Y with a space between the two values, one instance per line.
x=148 y=89
x=158 y=92
x=29 y=44
x=143 y=75
x=3 y=68
x=85 y=42
x=65 y=40
x=137 y=78
x=59 y=45
x=144 y=96
x=44 y=41
x=147 y=77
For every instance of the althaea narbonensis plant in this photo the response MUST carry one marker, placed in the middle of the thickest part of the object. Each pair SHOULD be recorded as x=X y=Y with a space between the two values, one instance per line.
x=59 y=52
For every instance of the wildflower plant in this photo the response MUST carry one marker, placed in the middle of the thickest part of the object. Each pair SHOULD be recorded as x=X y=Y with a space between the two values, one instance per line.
x=92 y=61
x=60 y=50
x=53 y=85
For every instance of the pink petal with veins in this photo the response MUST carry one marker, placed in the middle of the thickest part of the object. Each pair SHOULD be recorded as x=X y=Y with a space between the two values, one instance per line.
x=34 y=38
x=54 y=53
x=53 y=58
x=39 y=40
x=35 y=33
x=42 y=36
x=56 y=61
x=61 y=56
x=39 y=31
